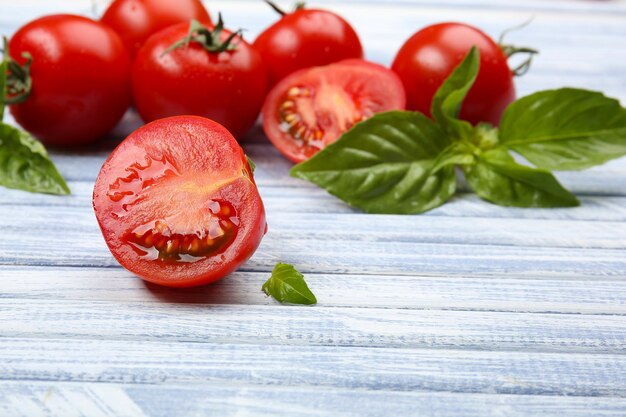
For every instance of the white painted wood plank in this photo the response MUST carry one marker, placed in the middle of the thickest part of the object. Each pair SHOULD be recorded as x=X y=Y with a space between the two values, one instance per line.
x=42 y=399
x=366 y=229
x=338 y=326
x=511 y=294
x=344 y=368
x=77 y=241
x=315 y=201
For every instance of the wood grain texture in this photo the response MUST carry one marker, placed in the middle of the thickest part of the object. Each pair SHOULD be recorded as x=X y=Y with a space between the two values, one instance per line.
x=573 y=295
x=469 y=310
x=42 y=399
x=314 y=326
x=366 y=368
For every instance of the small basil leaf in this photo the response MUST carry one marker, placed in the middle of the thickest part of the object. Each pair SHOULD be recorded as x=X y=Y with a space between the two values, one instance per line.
x=287 y=285
x=24 y=164
x=395 y=162
x=251 y=163
x=565 y=129
x=497 y=178
x=449 y=97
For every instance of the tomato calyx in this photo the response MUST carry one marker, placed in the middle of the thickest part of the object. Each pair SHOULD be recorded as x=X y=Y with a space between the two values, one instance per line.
x=300 y=5
x=209 y=39
x=510 y=50
x=18 y=81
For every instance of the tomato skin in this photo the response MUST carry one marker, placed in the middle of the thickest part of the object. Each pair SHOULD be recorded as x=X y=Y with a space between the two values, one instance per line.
x=228 y=87
x=80 y=79
x=136 y=20
x=364 y=88
x=429 y=56
x=306 y=38
x=212 y=166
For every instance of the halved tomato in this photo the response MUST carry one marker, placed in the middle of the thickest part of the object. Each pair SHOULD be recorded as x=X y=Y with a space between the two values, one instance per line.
x=311 y=108
x=177 y=203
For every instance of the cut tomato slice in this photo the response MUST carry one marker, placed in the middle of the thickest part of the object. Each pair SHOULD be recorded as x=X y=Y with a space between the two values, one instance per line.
x=311 y=108
x=177 y=203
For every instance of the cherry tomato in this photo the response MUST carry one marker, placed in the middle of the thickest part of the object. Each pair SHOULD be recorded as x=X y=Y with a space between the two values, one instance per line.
x=136 y=20
x=312 y=107
x=430 y=56
x=228 y=87
x=177 y=203
x=80 y=76
x=306 y=38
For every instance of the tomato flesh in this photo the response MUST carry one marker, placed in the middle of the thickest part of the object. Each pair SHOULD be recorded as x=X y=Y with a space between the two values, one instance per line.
x=158 y=239
x=177 y=203
x=311 y=108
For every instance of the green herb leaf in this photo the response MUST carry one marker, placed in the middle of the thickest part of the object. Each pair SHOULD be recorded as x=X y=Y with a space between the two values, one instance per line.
x=565 y=129
x=287 y=285
x=449 y=97
x=497 y=178
x=24 y=164
x=251 y=163
x=395 y=162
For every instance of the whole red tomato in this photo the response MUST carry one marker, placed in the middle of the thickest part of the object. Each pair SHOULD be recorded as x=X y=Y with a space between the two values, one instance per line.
x=223 y=80
x=136 y=20
x=177 y=203
x=80 y=74
x=430 y=56
x=306 y=38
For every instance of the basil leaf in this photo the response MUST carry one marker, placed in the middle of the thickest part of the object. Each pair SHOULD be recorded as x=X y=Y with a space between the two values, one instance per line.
x=24 y=164
x=393 y=162
x=565 y=129
x=497 y=178
x=449 y=97
x=287 y=285
x=251 y=163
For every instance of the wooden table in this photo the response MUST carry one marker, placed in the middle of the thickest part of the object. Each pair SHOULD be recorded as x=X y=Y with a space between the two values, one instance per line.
x=469 y=310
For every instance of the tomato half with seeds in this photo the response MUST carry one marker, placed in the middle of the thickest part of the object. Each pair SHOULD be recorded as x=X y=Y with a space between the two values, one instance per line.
x=311 y=108
x=177 y=203
x=136 y=20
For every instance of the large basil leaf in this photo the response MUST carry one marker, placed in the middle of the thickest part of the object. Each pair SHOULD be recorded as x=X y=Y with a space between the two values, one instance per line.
x=287 y=285
x=24 y=164
x=449 y=97
x=497 y=178
x=395 y=162
x=565 y=129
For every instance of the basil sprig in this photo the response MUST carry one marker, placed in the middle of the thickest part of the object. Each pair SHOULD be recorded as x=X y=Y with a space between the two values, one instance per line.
x=401 y=162
x=24 y=162
x=288 y=286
